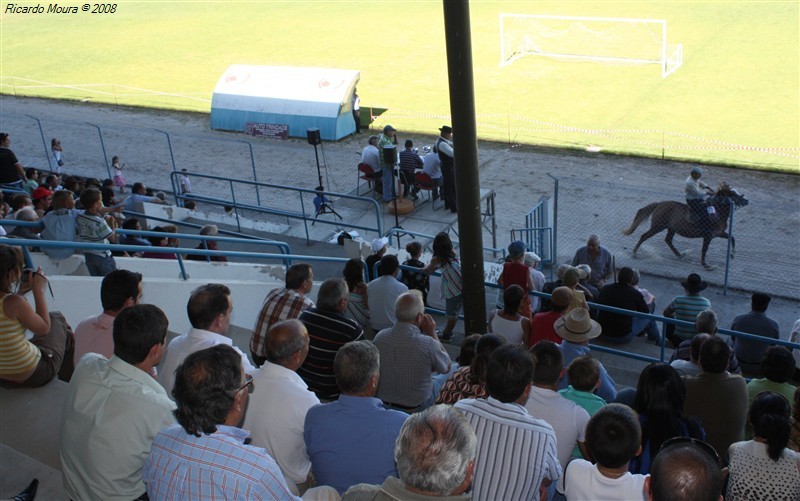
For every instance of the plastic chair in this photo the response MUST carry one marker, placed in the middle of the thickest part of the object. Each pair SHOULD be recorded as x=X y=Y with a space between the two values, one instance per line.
x=425 y=183
x=365 y=173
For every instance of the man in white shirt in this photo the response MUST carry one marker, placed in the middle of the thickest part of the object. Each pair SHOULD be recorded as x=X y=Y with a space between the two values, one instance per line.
x=114 y=409
x=567 y=418
x=383 y=292
x=209 y=310
x=369 y=155
x=277 y=411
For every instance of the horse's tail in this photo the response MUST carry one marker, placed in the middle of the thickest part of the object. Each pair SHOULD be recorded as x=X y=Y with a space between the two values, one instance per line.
x=641 y=216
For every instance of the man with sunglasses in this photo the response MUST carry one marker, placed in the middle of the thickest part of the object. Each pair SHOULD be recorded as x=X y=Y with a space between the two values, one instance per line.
x=207 y=455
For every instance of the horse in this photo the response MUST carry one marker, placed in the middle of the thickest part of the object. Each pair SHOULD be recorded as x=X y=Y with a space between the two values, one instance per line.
x=675 y=218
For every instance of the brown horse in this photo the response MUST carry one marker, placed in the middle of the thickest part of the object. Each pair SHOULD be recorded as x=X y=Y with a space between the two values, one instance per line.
x=675 y=218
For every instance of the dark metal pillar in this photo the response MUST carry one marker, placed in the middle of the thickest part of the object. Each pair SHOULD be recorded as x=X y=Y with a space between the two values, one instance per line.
x=465 y=146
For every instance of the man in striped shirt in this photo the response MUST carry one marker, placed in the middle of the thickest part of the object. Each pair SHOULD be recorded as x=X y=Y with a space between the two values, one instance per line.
x=284 y=303
x=328 y=330
x=517 y=456
x=686 y=308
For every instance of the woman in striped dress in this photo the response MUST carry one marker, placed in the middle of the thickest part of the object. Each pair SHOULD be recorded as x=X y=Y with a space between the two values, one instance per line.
x=33 y=363
x=445 y=259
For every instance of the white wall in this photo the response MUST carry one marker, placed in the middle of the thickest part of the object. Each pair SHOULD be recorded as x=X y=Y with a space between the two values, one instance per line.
x=78 y=297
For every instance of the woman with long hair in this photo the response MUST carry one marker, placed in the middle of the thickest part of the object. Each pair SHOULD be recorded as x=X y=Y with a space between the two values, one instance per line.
x=357 y=306
x=470 y=381
x=510 y=322
x=23 y=363
x=660 y=396
x=763 y=468
x=445 y=259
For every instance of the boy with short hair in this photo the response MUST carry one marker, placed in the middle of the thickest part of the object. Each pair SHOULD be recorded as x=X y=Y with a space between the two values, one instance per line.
x=584 y=378
x=613 y=437
x=92 y=228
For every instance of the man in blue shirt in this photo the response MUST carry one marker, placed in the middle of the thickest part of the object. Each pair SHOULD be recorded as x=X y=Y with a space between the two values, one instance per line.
x=351 y=441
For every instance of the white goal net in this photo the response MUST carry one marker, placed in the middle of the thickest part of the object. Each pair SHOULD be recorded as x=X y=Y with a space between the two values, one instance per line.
x=601 y=39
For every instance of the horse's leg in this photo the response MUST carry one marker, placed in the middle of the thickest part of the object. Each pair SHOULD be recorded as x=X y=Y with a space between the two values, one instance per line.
x=706 y=243
x=724 y=234
x=668 y=239
x=647 y=234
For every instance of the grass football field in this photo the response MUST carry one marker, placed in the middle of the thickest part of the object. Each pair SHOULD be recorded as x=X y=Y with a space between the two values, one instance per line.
x=735 y=99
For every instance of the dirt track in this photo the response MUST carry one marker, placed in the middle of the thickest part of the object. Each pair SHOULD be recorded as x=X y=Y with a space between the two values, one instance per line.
x=598 y=193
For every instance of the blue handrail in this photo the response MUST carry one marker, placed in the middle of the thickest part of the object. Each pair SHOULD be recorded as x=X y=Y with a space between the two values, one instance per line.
x=303 y=215
x=281 y=257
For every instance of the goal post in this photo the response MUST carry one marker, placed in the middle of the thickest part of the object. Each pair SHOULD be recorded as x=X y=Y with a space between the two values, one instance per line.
x=601 y=39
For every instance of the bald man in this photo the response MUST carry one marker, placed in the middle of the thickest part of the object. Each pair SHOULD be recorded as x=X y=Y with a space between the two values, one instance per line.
x=277 y=411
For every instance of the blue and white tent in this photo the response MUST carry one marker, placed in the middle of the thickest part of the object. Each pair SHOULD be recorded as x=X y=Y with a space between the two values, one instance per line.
x=300 y=98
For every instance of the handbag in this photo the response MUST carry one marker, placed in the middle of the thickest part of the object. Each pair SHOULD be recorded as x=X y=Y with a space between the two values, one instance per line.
x=60 y=163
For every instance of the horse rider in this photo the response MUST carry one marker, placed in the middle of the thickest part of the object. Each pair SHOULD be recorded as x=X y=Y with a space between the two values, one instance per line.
x=696 y=192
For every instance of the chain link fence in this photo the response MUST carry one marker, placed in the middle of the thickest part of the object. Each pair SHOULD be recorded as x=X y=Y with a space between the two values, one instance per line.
x=609 y=208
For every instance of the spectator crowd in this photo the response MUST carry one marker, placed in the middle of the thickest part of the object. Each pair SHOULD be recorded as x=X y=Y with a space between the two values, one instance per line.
x=355 y=396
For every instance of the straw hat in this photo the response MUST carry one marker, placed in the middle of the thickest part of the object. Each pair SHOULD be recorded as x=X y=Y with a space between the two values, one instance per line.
x=576 y=326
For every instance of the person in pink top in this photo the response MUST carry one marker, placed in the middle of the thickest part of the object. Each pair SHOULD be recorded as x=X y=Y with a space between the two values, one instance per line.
x=119 y=290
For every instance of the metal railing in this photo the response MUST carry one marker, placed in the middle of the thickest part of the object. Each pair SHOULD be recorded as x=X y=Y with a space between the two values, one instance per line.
x=24 y=243
x=283 y=247
x=303 y=214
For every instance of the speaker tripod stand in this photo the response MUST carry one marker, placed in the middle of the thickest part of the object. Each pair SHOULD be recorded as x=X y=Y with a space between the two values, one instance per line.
x=321 y=202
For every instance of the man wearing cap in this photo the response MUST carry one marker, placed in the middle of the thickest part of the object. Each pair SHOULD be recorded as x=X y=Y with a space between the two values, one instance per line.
x=576 y=328
x=42 y=200
x=696 y=191
x=686 y=308
x=532 y=260
x=750 y=352
x=444 y=148
x=387 y=139
x=598 y=258
x=378 y=250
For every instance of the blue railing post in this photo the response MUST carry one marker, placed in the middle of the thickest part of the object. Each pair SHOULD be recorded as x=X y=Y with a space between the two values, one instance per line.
x=169 y=145
x=102 y=147
x=305 y=219
x=253 y=164
x=235 y=206
x=44 y=143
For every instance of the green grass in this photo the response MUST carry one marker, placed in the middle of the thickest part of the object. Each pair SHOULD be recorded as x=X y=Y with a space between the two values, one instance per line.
x=739 y=85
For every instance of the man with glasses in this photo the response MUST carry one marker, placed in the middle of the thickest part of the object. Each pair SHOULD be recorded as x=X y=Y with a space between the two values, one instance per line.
x=207 y=455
